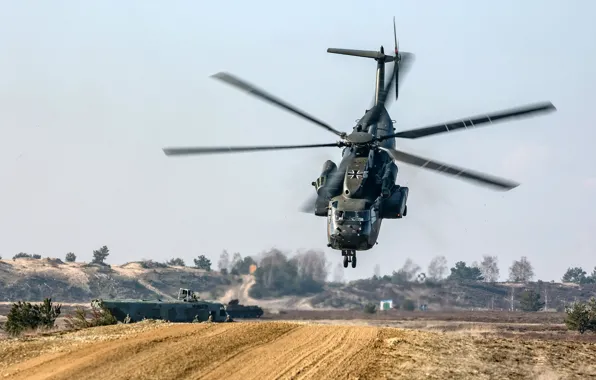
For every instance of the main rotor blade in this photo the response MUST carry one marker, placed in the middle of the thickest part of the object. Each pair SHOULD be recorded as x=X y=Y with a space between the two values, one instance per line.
x=239 y=83
x=475 y=121
x=238 y=149
x=479 y=178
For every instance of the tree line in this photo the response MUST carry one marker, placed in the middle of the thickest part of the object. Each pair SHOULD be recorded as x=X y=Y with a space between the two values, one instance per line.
x=487 y=270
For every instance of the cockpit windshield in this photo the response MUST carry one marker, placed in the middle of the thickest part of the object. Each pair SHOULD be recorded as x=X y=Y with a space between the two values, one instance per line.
x=359 y=216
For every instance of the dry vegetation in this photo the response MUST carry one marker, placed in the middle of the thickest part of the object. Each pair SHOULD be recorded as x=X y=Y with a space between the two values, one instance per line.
x=285 y=350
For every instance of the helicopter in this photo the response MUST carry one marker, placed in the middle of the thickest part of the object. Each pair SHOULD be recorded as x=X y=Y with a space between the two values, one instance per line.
x=356 y=195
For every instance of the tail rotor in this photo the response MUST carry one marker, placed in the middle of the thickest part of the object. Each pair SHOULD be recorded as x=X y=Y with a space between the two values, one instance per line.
x=397 y=61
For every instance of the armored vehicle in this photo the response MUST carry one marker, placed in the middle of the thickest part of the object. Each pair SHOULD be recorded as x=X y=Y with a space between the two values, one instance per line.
x=235 y=310
x=187 y=308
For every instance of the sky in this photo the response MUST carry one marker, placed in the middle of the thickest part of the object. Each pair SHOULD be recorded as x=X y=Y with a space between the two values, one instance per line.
x=90 y=93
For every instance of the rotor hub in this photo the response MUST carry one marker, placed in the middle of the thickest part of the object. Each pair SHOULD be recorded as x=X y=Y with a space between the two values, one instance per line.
x=360 y=138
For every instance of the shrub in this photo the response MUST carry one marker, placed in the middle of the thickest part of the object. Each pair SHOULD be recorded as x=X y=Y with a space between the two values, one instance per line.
x=22 y=255
x=150 y=264
x=176 y=262
x=100 y=316
x=530 y=301
x=24 y=316
x=370 y=308
x=202 y=262
x=36 y=256
x=100 y=255
x=581 y=316
x=409 y=305
x=71 y=257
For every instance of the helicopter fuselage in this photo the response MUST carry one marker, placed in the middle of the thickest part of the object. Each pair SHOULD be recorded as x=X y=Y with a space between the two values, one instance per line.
x=366 y=193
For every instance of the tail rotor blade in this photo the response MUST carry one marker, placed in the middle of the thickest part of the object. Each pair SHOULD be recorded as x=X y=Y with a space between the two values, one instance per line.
x=397 y=59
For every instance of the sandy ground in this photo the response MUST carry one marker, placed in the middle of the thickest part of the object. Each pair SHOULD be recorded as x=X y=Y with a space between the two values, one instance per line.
x=290 y=350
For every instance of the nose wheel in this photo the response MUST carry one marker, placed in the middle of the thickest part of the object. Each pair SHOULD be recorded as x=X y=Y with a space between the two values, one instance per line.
x=349 y=257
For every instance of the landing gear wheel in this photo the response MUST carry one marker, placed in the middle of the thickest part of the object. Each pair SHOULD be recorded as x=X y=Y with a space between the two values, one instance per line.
x=354 y=259
x=406 y=210
x=345 y=260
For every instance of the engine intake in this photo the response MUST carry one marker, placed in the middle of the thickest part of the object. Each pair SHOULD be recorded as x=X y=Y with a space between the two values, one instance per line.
x=321 y=207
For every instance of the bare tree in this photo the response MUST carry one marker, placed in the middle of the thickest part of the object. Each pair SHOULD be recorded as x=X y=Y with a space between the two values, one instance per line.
x=271 y=261
x=437 y=269
x=377 y=271
x=521 y=271
x=338 y=273
x=313 y=265
x=489 y=268
x=408 y=272
x=224 y=261
x=236 y=260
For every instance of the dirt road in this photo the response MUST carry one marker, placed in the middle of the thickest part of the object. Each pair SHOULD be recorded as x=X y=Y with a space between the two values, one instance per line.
x=287 y=350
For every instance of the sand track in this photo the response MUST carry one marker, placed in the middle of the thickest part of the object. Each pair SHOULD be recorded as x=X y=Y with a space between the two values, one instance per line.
x=287 y=350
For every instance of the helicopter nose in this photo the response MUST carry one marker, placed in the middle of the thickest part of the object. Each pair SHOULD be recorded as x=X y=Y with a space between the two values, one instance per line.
x=351 y=234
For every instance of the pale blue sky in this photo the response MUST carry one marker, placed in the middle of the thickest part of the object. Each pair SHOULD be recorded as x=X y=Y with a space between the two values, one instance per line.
x=90 y=92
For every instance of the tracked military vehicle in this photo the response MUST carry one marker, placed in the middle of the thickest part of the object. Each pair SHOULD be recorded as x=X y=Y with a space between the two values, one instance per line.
x=235 y=310
x=187 y=308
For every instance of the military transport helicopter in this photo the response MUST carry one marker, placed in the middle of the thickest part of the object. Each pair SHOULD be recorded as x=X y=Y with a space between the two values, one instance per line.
x=359 y=193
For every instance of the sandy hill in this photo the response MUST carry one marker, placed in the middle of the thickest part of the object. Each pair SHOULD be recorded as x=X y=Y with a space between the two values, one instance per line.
x=35 y=279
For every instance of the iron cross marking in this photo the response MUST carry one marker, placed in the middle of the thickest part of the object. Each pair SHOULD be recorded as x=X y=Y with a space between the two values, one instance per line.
x=356 y=174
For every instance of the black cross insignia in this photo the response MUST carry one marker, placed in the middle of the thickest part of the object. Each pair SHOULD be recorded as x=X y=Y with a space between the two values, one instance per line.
x=355 y=174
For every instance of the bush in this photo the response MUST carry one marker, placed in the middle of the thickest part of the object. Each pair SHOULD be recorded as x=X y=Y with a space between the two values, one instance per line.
x=370 y=308
x=36 y=256
x=100 y=316
x=176 y=262
x=100 y=255
x=409 y=305
x=22 y=255
x=24 y=316
x=582 y=316
x=202 y=262
x=71 y=257
x=530 y=301
x=150 y=264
